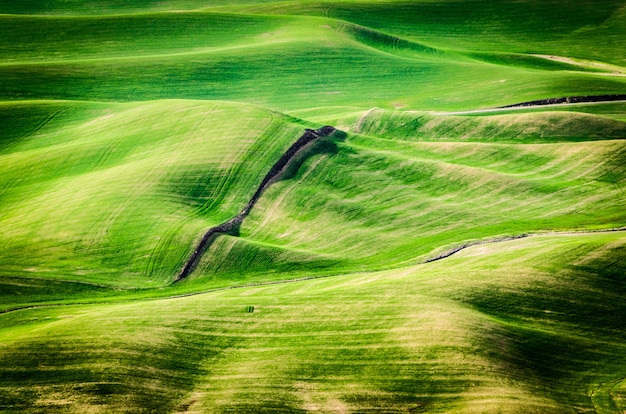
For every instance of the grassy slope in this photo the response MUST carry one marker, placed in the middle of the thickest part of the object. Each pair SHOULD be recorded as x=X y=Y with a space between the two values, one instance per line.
x=376 y=203
x=284 y=63
x=511 y=327
x=98 y=195
x=484 y=25
x=117 y=199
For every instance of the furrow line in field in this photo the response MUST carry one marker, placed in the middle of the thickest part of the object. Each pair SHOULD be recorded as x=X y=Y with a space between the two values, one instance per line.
x=569 y=100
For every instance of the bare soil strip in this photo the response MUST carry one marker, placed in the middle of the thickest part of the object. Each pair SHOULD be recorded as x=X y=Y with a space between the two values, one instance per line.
x=457 y=249
x=232 y=226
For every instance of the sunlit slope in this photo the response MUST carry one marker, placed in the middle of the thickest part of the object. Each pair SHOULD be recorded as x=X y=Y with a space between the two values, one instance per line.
x=73 y=7
x=578 y=29
x=119 y=195
x=537 y=125
x=119 y=198
x=285 y=63
x=508 y=327
x=372 y=203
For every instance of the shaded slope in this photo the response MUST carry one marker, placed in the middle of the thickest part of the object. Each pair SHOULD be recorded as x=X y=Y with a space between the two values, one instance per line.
x=232 y=226
x=580 y=29
x=148 y=34
x=285 y=63
x=116 y=198
x=531 y=324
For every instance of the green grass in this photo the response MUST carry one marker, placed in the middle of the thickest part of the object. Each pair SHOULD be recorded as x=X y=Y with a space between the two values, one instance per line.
x=285 y=63
x=506 y=327
x=127 y=129
x=132 y=188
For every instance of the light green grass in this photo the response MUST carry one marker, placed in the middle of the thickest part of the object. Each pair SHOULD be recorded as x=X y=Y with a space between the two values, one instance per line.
x=285 y=63
x=127 y=129
x=510 y=327
x=121 y=198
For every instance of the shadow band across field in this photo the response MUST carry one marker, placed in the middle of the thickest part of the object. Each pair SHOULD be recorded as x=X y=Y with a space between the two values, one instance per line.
x=279 y=168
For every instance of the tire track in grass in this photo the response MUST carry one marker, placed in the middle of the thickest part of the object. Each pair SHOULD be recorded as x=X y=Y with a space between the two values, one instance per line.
x=232 y=226
x=359 y=123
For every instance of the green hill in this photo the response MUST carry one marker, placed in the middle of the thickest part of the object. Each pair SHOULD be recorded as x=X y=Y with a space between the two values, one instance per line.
x=437 y=254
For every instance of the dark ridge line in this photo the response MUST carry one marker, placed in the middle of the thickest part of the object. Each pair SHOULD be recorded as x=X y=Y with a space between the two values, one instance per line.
x=304 y=278
x=232 y=226
x=457 y=249
x=568 y=99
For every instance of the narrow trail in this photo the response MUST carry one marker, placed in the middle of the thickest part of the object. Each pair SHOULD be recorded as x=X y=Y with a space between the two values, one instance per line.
x=568 y=100
x=232 y=226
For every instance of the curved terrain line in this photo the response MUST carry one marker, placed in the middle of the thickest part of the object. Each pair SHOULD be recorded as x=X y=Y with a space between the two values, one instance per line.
x=359 y=123
x=457 y=249
x=607 y=68
x=295 y=280
x=569 y=100
x=603 y=399
x=232 y=226
x=565 y=100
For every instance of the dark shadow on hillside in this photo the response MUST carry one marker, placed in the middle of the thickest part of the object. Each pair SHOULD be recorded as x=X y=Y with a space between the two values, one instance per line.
x=287 y=166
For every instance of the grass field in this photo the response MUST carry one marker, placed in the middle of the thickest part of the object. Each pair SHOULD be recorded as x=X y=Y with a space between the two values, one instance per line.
x=128 y=129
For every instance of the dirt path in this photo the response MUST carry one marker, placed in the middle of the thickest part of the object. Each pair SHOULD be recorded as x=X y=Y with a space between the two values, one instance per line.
x=606 y=68
x=232 y=226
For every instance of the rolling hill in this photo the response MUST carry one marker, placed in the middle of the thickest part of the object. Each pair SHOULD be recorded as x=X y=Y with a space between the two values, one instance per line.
x=438 y=253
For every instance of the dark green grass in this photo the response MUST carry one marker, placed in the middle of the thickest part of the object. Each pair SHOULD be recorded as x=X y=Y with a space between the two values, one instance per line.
x=101 y=202
x=77 y=38
x=283 y=63
x=526 y=325
x=563 y=27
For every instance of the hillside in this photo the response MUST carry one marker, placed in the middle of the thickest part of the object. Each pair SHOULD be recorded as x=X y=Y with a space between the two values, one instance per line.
x=436 y=253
